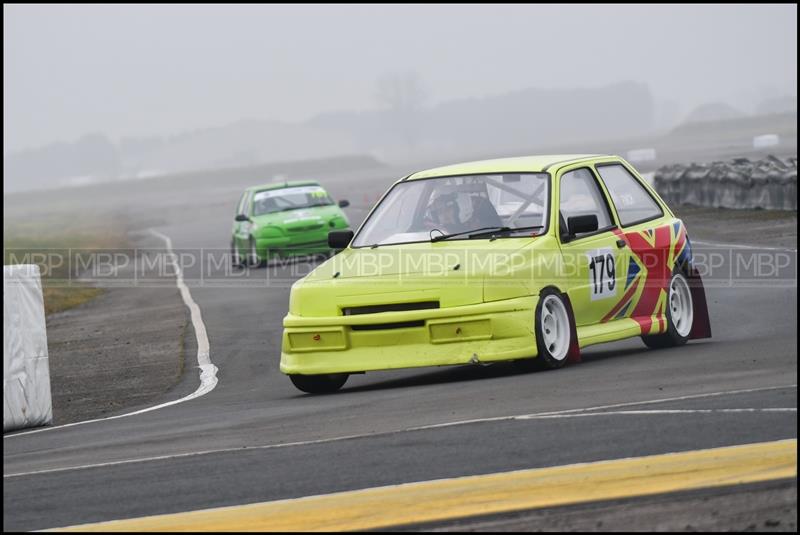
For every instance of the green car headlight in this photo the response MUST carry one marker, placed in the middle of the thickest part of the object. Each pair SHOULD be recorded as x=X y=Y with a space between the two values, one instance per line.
x=267 y=231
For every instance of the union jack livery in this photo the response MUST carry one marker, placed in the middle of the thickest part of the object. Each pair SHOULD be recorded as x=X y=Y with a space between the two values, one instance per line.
x=655 y=253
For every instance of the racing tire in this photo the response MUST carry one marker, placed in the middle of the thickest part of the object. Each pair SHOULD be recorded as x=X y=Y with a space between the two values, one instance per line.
x=319 y=384
x=680 y=315
x=553 y=330
x=236 y=259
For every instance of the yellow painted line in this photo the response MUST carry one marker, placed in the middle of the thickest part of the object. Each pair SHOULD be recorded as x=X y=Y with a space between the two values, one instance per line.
x=487 y=494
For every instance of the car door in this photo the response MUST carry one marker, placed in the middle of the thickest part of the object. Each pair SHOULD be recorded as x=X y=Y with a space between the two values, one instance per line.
x=652 y=240
x=594 y=261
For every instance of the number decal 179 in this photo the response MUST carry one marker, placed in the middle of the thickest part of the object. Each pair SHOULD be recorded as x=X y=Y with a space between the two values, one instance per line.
x=602 y=274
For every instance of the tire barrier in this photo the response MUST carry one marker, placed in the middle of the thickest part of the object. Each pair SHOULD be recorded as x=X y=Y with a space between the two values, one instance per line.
x=27 y=400
x=769 y=183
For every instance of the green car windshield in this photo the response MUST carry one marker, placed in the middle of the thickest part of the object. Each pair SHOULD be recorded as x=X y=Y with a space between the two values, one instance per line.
x=281 y=200
x=460 y=207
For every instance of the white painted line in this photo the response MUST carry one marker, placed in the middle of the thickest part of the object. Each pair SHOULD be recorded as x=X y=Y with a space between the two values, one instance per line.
x=743 y=246
x=385 y=433
x=613 y=406
x=208 y=372
x=656 y=412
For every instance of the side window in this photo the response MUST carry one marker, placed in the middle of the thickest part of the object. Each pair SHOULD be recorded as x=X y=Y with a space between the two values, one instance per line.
x=633 y=203
x=245 y=207
x=240 y=204
x=580 y=195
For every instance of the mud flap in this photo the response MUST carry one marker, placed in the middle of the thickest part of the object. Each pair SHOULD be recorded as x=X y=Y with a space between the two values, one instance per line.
x=574 y=353
x=701 y=324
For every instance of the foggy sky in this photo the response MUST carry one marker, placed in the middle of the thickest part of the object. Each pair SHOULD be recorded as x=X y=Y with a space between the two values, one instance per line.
x=160 y=70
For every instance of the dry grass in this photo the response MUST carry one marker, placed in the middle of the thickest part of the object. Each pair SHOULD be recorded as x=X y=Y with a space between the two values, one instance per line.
x=53 y=242
x=60 y=298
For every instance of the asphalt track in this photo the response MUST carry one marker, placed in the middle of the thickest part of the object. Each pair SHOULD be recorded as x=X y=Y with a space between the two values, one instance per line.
x=255 y=438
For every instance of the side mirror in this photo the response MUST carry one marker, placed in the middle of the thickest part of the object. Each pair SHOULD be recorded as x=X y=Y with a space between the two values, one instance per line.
x=580 y=224
x=241 y=217
x=344 y=204
x=339 y=239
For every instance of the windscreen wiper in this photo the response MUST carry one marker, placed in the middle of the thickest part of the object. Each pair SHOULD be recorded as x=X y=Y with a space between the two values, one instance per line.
x=503 y=230
x=479 y=230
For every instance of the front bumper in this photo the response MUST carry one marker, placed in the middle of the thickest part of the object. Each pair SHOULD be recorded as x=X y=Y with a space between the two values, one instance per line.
x=485 y=332
x=270 y=247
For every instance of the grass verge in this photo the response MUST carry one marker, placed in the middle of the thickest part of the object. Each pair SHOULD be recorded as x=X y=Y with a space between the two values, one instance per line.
x=59 y=244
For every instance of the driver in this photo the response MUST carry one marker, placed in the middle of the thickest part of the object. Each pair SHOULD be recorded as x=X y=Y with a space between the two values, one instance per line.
x=446 y=213
x=266 y=206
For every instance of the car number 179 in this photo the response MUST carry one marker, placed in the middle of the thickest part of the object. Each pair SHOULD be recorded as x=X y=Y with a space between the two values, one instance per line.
x=602 y=274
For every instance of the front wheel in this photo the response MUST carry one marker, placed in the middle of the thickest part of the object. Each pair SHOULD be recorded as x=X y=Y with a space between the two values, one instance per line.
x=680 y=315
x=553 y=333
x=319 y=384
x=236 y=259
x=254 y=259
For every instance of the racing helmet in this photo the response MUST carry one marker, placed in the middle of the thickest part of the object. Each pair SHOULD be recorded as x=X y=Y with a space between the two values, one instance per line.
x=445 y=201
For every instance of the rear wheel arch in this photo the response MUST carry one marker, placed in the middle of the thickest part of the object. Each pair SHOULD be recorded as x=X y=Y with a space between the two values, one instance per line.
x=684 y=267
x=672 y=337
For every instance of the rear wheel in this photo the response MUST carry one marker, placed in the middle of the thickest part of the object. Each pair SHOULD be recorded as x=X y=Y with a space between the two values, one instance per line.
x=680 y=315
x=319 y=384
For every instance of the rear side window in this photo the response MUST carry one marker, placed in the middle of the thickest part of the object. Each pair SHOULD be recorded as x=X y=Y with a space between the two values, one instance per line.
x=634 y=204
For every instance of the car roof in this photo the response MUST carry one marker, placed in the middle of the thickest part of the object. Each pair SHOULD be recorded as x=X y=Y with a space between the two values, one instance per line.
x=531 y=164
x=283 y=184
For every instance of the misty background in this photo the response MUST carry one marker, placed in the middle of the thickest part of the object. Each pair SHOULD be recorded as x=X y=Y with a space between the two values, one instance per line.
x=99 y=93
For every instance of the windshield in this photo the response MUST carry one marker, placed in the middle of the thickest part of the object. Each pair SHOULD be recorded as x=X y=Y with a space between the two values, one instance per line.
x=429 y=209
x=280 y=200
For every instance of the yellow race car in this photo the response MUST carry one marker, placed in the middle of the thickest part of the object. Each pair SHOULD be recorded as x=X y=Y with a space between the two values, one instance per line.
x=519 y=259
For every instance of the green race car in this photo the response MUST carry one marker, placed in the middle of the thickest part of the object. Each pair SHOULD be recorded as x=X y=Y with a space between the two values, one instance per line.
x=284 y=219
x=518 y=259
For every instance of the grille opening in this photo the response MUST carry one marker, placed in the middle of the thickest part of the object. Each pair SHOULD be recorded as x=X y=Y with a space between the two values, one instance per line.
x=381 y=326
x=395 y=307
x=315 y=226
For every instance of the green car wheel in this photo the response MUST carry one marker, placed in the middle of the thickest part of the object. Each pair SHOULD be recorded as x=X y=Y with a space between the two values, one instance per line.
x=253 y=259
x=236 y=259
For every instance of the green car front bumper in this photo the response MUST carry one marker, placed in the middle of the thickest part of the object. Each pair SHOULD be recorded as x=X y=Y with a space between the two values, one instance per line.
x=271 y=247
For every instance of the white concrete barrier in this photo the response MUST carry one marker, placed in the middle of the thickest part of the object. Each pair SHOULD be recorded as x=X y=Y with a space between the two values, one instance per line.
x=27 y=400
x=641 y=155
x=766 y=140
